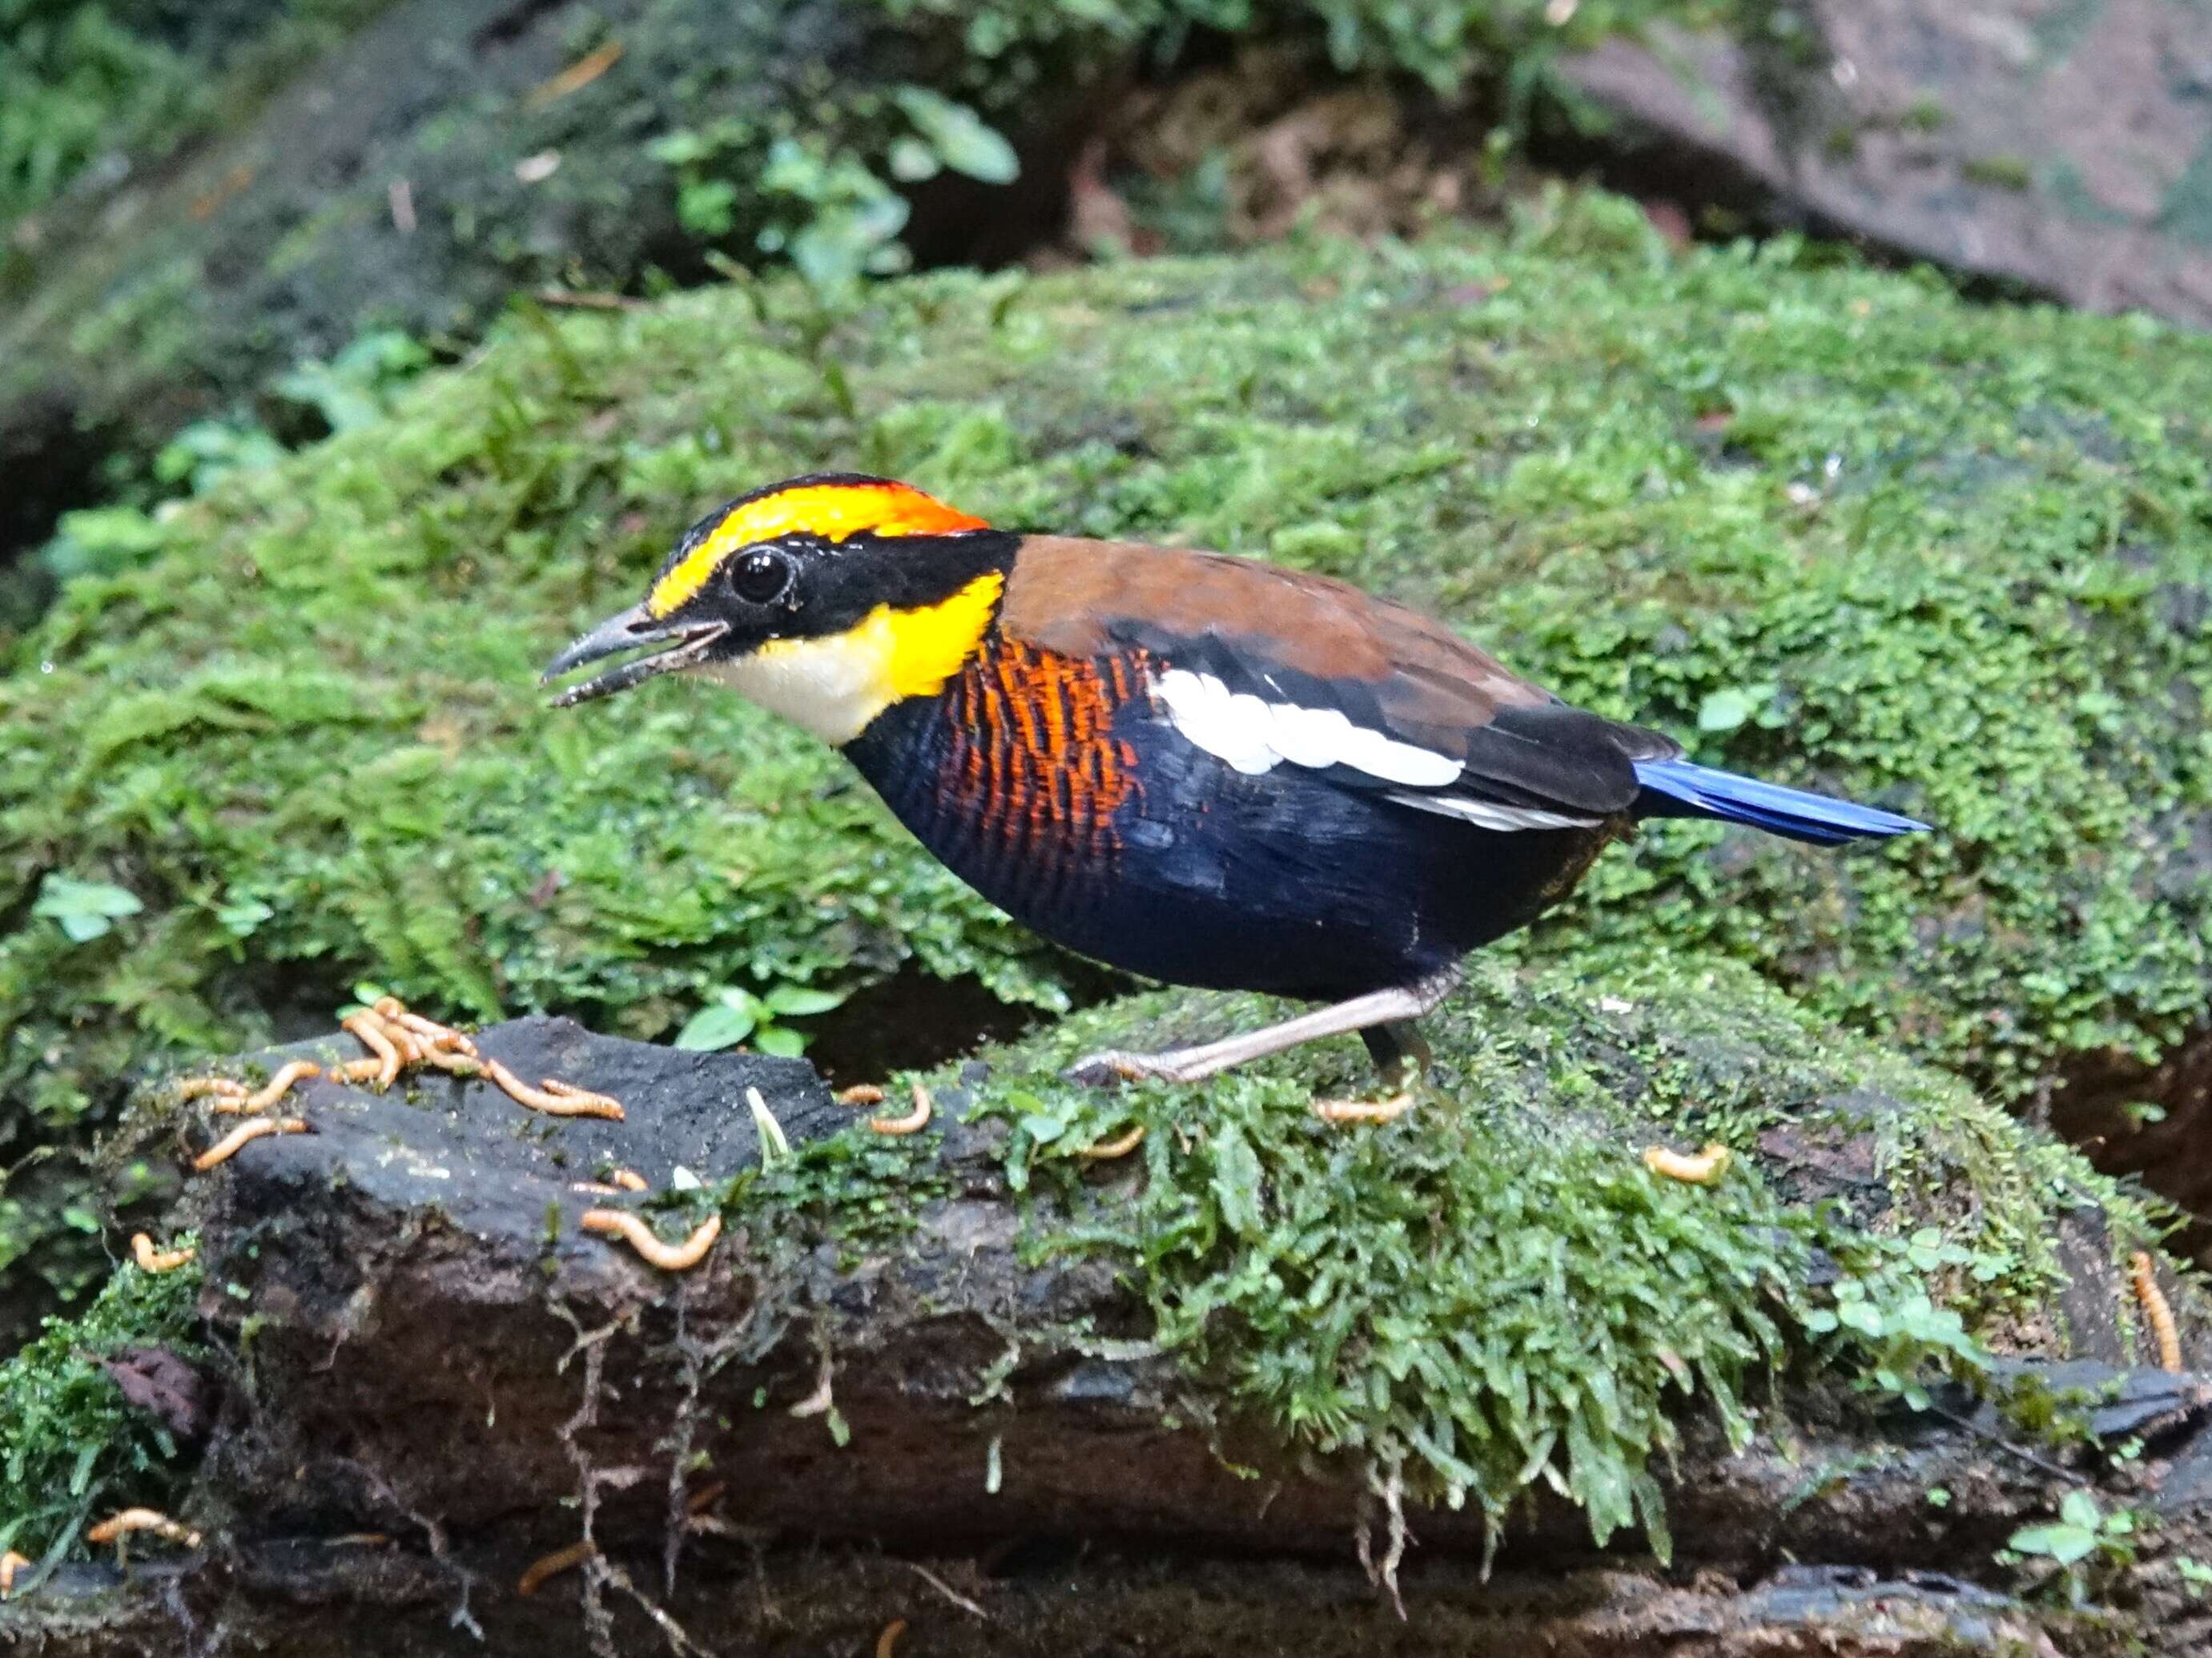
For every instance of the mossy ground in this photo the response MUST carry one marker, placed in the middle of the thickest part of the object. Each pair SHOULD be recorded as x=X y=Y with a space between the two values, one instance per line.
x=1952 y=560
x=71 y=1447
x=1493 y=1290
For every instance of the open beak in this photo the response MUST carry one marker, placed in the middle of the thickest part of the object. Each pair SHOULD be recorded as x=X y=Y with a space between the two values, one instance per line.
x=683 y=644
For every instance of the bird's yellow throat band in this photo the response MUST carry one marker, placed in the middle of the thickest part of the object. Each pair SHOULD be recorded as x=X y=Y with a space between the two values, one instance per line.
x=834 y=686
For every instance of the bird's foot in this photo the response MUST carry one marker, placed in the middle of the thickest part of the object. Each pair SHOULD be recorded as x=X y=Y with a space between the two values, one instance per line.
x=1112 y=1067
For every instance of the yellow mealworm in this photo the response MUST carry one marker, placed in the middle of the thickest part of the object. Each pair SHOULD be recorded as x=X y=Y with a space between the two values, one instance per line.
x=1703 y=1170
x=914 y=1121
x=887 y=1642
x=629 y=1179
x=860 y=1094
x=151 y=1259
x=226 y=1148
x=117 y=1526
x=377 y=1040
x=1387 y=1110
x=546 y=1567
x=2156 y=1311
x=276 y=1088
x=11 y=1564
x=1108 y=1150
x=555 y=1099
x=391 y=1010
x=452 y=1060
x=669 y=1257
x=193 y=1088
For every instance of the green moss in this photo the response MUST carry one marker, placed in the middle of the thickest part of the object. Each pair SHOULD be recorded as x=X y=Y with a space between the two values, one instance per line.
x=1493 y=1290
x=69 y=1444
x=1950 y=559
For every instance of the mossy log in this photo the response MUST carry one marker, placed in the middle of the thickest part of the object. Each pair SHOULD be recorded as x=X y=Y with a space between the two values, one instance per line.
x=1831 y=525
x=1053 y=1381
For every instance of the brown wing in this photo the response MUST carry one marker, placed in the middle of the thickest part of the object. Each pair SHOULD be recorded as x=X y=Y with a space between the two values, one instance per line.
x=1291 y=638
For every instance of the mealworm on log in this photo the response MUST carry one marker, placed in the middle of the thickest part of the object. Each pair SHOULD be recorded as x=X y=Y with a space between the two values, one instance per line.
x=1387 y=1110
x=450 y=1060
x=629 y=1179
x=706 y=1497
x=546 y=1567
x=193 y=1088
x=669 y=1257
x=860 y=1094
x=358 y=1071
x=2157 y=1311
x=1108 y=1150
x=393 y=1011
x=226 y=1148
x=11 y=1564
x=555 y=1099
x=1703 y=1170
x=887 y=1642
x=117 y=1526
x=275 y=1090
x=151 y=1259
x=375 y=1038
x=593 y=1188
x=914 y=1121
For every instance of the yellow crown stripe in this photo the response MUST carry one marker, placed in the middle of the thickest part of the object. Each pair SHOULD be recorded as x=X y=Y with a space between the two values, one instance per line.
x=831 y=511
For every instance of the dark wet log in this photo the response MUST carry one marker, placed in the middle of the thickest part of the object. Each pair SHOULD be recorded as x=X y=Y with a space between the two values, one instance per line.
x=437 y=1377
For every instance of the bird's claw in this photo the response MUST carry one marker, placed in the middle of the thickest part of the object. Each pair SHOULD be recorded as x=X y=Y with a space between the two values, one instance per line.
x=1110 y=1069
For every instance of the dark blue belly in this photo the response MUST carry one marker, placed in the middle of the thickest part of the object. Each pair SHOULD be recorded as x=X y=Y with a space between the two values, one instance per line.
x=1187 y=871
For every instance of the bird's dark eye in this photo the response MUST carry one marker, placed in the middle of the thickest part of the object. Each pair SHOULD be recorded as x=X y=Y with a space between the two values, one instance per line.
x=757 y=578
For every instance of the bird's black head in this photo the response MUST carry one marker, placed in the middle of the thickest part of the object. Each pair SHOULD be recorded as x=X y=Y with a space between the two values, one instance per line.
x=826 y=598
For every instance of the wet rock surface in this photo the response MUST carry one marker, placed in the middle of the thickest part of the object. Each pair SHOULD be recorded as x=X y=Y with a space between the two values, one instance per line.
x=433 y=1378
x=2065 y=147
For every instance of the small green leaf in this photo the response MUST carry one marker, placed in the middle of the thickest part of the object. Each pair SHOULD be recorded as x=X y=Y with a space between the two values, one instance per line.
x=780 y=1041
x=797 y=1001
x=2080 y=1508
x=240 y=916
x=960 y=137
x=1237 y=1180
x=2063 y=1544
x=913 y=160
x=1724 y=710
x=85 y=909
x=715 y=1026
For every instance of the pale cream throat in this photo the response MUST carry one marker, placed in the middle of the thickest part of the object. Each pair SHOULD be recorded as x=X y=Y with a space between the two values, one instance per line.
x=833 y=686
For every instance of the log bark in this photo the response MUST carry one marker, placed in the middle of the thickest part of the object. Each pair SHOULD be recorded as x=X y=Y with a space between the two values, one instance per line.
x=435 y=1377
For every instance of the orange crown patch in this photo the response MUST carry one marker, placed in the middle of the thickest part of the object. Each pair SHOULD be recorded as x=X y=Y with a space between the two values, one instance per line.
x=834 y=511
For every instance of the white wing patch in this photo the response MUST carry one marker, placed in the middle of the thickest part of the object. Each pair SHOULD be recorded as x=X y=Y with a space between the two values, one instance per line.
x=1255 y=736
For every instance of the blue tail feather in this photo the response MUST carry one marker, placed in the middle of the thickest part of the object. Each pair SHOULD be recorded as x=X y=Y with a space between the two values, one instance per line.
x=1684 y=790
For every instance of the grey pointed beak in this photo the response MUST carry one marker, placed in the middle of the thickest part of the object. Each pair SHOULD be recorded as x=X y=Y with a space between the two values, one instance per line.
x=632 y=629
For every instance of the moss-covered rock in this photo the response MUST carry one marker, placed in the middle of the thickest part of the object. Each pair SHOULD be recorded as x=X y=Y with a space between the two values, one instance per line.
x=1829 y=525
x=450 y=154
x=1255 y=1330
